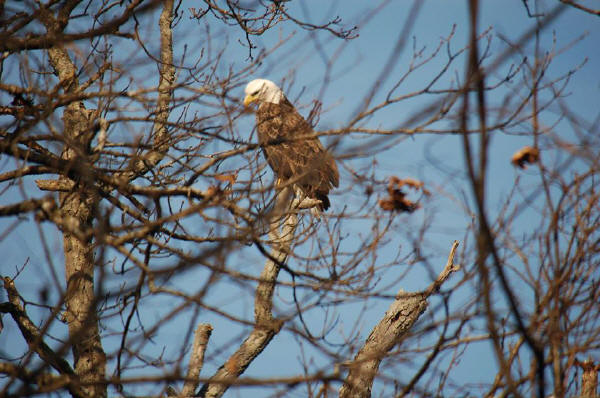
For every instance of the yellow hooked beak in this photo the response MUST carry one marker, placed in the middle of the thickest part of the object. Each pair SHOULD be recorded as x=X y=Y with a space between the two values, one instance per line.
x=250 y=99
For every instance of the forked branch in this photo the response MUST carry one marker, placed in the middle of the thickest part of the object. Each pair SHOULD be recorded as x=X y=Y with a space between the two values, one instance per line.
x=266 y=326
x=397 y=321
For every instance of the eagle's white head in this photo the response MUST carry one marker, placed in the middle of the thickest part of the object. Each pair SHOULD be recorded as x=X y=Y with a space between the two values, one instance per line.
x=262 y=90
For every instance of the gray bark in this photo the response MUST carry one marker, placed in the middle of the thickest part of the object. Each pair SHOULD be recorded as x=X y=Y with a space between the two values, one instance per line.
x=80 y=300
x=79 y=204
x=266 y=326
x=396 y=323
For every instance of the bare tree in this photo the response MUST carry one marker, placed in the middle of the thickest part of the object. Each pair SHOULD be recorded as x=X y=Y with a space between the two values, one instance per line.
x=182 y=262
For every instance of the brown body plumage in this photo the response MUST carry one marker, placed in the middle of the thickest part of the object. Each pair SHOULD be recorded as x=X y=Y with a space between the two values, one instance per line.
x=296 y=156
x=302 y=162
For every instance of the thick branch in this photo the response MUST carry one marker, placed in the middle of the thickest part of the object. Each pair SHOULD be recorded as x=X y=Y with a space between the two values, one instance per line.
x=160 y=133
x=589 y=378
x=24 y=171
x=397 y=321
x=266 y=326
x=201 y=337
x=79 y=205
x=27 y=206
x=33 y=337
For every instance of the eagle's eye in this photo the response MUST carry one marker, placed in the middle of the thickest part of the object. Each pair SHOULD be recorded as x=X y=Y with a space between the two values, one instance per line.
x=255 y=93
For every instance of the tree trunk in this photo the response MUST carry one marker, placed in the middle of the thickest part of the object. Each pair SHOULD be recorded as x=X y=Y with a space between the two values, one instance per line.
x=77 y=209
x=77 y=206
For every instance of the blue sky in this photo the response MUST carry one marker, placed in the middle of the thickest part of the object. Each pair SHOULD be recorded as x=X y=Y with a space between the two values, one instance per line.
x=300 y=66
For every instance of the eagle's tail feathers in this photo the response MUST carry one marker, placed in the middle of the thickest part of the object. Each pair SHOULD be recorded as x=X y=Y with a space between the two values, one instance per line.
x=325 y=204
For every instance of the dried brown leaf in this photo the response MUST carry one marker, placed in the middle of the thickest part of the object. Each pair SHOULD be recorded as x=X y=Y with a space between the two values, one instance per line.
x=524 y=156
x=397 y=200
x=230 y=178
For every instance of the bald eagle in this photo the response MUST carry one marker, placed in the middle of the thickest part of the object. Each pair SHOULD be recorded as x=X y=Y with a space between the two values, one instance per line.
x=304 y=162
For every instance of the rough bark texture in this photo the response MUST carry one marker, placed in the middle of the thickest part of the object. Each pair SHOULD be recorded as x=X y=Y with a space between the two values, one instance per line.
x=266 y=326
x=201 y=337
x=79 y=204
x=397 y=321
x=589 y=379
x=79 y=201
x=80 y=300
